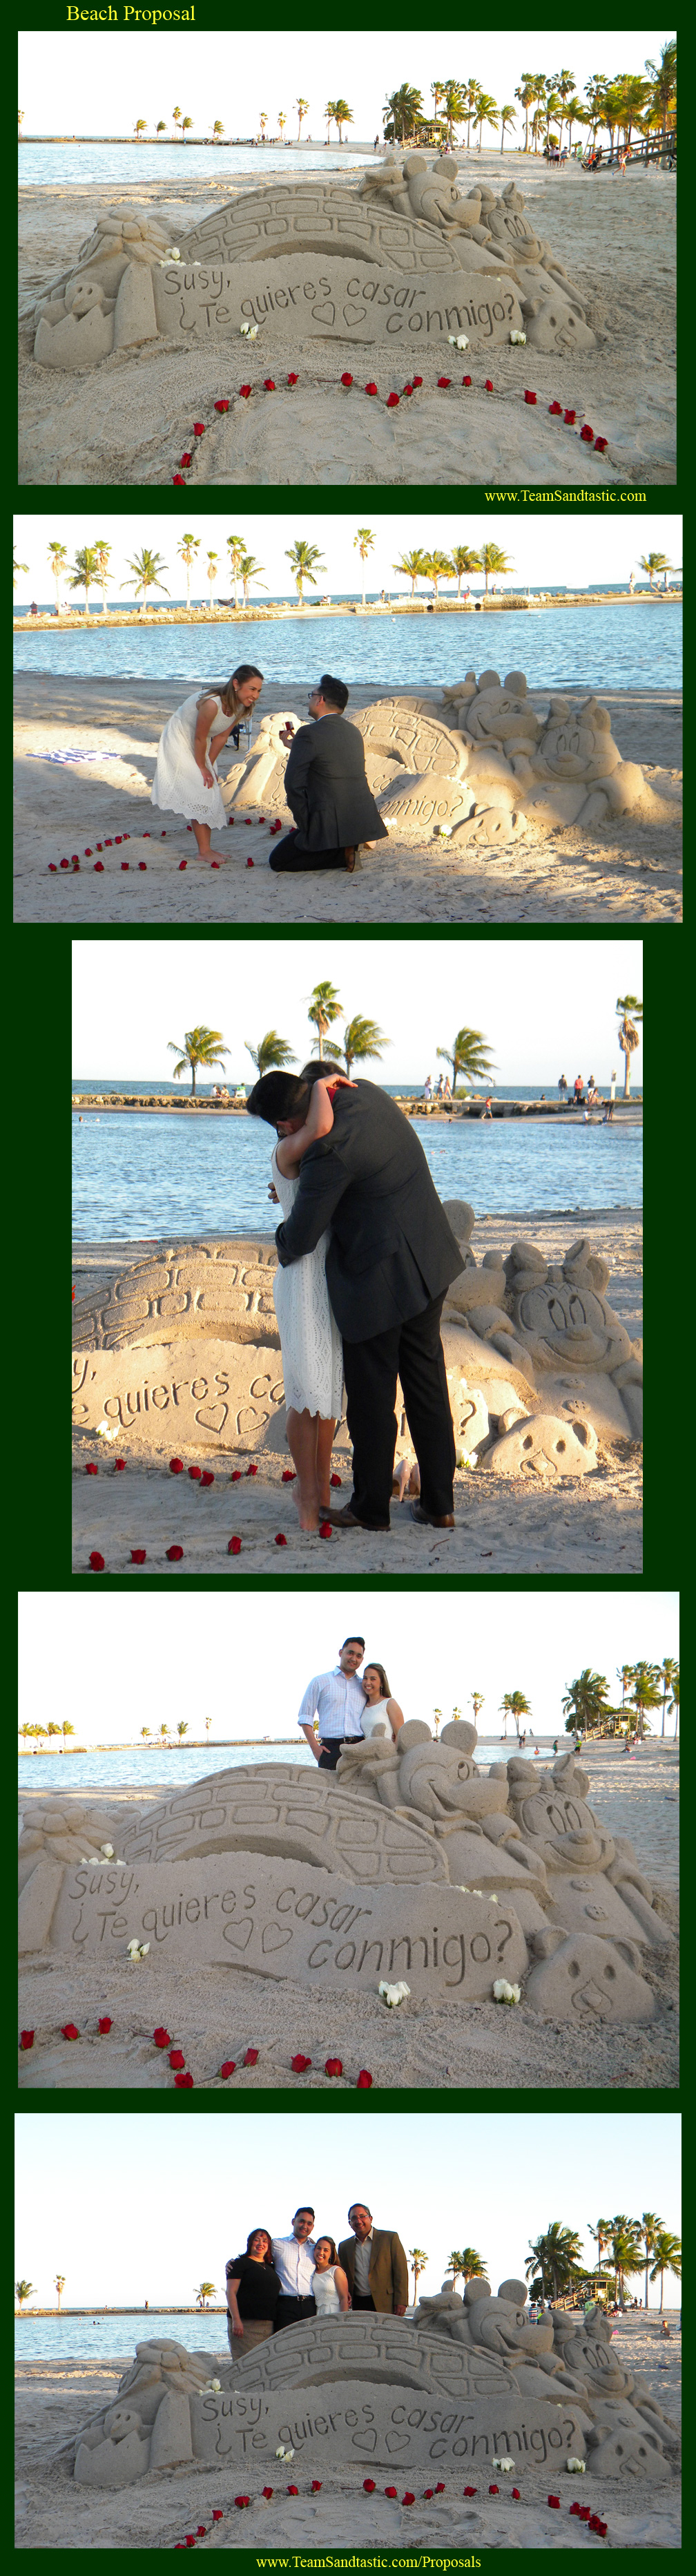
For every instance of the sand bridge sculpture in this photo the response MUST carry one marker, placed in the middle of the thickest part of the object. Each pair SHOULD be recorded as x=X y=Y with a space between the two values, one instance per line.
x=410 y=1862
x=401 y=260
x=490 y=769
x=183 y=1352
x=454 y=2384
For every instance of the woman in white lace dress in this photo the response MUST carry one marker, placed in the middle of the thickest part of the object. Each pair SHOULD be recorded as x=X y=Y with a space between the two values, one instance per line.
x=329 y=2281
x=310 y=1341
x=381 y=1714
x=186 y=780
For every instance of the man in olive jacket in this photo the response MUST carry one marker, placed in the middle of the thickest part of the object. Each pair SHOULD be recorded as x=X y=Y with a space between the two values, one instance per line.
x=389 y=1262
x=326 y=788
x=375 y=2265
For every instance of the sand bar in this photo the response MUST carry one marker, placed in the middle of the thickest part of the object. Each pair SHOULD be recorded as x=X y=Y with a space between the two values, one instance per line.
x=626 y=869
x=129 y=420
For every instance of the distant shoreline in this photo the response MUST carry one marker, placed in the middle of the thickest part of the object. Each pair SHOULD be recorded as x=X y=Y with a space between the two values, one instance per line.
x=116 y=1104
x=224 y=613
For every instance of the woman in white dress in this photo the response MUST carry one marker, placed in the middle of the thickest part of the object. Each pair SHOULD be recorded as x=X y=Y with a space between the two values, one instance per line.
x=329 y=2282
x=311 y=1346
x=186 y=780
x=381 y=1714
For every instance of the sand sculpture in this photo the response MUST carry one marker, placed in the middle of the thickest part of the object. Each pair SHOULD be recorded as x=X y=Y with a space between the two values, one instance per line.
x=401 y=260
x=456 y=2383
x=491 y=769
x=183 y=1356
x=408 y=1862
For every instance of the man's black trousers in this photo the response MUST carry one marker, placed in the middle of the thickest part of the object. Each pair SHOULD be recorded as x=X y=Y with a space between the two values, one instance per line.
x=413 y=1352
x=286 y=854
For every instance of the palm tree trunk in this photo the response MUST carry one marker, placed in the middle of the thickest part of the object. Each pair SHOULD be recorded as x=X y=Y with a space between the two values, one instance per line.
x=647 y=2259
x=662 y=2287
x=193 y=1079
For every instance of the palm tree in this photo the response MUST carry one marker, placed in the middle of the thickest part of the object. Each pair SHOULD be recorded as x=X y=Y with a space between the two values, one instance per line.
x=594 y=93
x=520 y=1707
x=303 y=558
x=163 y=1730
x=282 y=122
x=507 y=117
x=674 y=1703
x=207 y=1721
x=343 y=114
x=437 y=1721
x=25 y=1730
x=52 y=1728
x=413 y=565
x=645 y=1691
x=402 y=111
x=59 y=2285
x=250 y=570
x=201 y=1046
x=141 y=128
x=623 y=1675
x=537 y=124
x=470 y=94
x=455 y=106
x=17 y=568
x=526 y=96
x=188 y=549
x=84 y=572
x=323 y=1009
x=205 y=2291
x=601 y=2234
x=469 y=2266
x=476 y=1697
x=330 y=114
x=563 y=82
x=631 y=1011
x=160 y=127
x=626 y=2253
x=668 y=2258
x=575 y=114
x=652 y=2227
x=57 y=556
x=361 y=1040
x=664 y=78
x=468 y=1054
x=668 y=1668
x=186 y=125
x=182 y=1728
x=24 y=2290
x=553 y=108
x=302 y=105
x=211 y=575
x=418 y=2261
x=21 y=113
x=271 y=1051
x=263 y=121
x=176 y=117
x=438 y=567
x=145 y=1730
x=586 y=1702
x=506 y=1709
x=464 y=560
x=652 y=564
x=66 y=1729
x=556 y=2255
x=146 y=569
x=218 y=128
x=485 y=113
x=364 y=540
x=102 y=553
x=437 y=91
x=236 y=548
x=493 y=560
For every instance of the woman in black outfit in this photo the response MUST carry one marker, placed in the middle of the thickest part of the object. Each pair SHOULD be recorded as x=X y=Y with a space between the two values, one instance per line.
x=253 y=2290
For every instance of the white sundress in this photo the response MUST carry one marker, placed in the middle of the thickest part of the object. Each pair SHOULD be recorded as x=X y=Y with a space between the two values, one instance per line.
x=311 y=1346
x=177 y=786
x=325 y=2293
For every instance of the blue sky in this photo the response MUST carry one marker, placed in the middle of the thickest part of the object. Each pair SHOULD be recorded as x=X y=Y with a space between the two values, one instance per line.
x=129 y=2208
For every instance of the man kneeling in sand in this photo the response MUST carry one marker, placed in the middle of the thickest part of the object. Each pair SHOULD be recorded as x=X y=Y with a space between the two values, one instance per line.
x=326 y=788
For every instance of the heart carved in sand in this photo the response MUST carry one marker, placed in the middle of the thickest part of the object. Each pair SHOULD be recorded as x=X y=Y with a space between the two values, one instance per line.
x=239 y=1934
x=274 y=1938
x=212 y=1417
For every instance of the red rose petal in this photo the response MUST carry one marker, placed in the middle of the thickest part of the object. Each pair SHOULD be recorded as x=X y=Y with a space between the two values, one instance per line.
x=52 y=869
x=440 y=2488
x=161 y=2036
x=369 y=2486
x=335 y=1480
x=292 y=380
x=408 y=389
x=569 y=417
x=125 y=864
x=218 y=2515
x=372 y=389
x=333 y=2066
x=108 y=845
x=176 y=2057
x=142 y=863
x=199 y=428
x=443 y=382
x=96 y=1561
x=119 y=1465
x=469 y=2491
x=267 y=2491
x=194 y=1472
x=288 y=1476
x=233 y=1546
x=418 y=380
x=316 y=2486
x=178 y=478
x=242 y=2500
x=325 y=1529
x=530 y=398
x=175 y=1554
x=146 y=836
x=222 y=406
x=269 y=388
x=69 y=2031
x=99 y=867
x=182 y=864
x=584 y=2512
x=227 y=2068
x=408 y=2498
x=392 y=400
x=26 y=2038
x=466 y=380
x=346 y=380
x=516 y=2492
x=250 y=863
x=364 y=2080
x=207 y=1477
x=99 y=845
x=601 y=444
x=251 y=2057
x=138 y=1555
x=496 y=2491
x=244 y=390
x=300 y=2064
x=280 y=1539
x=253 y=1469
x=88 y=854
x=427 y=2493
x=555 y=2501
x=587 y=434
x=235 y=1476
x=575 y=2508
x=91 y=1470
x=489 y=387
x=390 y=2491
x=176 y=1466
x=185 y=2081
x=293 y=2490
x=555 y=407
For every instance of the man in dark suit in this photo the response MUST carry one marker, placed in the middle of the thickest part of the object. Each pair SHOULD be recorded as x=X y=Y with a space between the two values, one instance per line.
x=375 y=2265
x=391 y=1257
x=326 y=788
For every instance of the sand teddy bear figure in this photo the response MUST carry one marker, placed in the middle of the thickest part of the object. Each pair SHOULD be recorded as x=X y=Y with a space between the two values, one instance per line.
x=576 y=774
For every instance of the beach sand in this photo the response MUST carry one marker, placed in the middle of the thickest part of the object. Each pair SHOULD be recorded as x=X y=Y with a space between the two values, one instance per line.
x=623 y=870
x=591 y=1525
x=215 y=2014
x=129 y=420
x=54 y=2398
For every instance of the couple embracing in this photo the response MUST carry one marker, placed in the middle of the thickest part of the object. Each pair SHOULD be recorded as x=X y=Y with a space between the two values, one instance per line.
x=366 y=1255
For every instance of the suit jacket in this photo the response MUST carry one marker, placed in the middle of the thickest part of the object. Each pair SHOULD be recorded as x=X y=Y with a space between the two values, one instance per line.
x=326 y=788
x=392 y=1248
x=388 y=2269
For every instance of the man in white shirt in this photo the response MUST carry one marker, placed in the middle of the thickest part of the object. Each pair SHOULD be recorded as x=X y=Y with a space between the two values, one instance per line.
x=293 y=2258
x=337 y=1699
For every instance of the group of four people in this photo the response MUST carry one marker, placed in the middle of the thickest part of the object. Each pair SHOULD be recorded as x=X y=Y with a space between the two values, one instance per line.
x=289 y=2280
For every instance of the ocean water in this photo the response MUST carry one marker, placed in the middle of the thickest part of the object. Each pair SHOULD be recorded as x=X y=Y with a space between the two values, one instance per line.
x=134 y=1178
x=113 y=2338
x=80 y=164
x=631 y=647
x=161 y=1772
